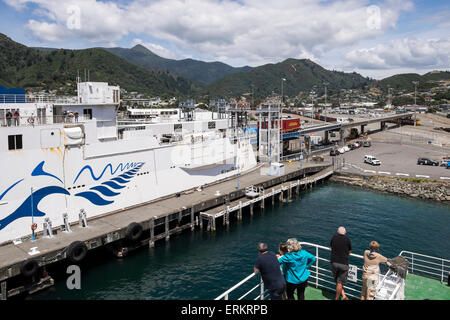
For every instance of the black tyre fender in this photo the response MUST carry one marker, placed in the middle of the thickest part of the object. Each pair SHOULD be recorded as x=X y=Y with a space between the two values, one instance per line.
x=29 y=268
x=134 y=231
x=76 y=251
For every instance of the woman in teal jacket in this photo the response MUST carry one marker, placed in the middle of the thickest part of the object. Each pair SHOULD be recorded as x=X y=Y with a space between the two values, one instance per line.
x=295 y=265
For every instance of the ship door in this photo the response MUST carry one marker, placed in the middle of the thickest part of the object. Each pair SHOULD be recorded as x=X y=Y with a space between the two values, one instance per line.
x=41 y=115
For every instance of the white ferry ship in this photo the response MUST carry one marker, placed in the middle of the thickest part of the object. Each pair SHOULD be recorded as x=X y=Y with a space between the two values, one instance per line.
x=60 y=157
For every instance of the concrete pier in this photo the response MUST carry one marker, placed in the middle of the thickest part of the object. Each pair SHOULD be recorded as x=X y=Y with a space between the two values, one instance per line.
x=158 y=220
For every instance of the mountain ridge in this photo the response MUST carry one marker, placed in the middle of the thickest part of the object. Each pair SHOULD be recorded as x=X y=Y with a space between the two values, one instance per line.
x=203 y=72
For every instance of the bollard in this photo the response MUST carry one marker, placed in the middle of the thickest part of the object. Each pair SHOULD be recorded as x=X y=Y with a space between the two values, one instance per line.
x=82 y=221
x=66 y=226
x=48 y=233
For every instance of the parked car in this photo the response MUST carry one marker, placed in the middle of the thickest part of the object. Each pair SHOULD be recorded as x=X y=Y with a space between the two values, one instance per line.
x=346 y=148
x=352 y=146
x=371 y=160
x=367 y=144
x=334 y=152
x=341 y=150
x=427 y=161
x=357 y=145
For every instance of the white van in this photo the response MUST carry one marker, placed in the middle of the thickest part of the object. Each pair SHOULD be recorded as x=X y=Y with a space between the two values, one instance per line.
x=372 y=160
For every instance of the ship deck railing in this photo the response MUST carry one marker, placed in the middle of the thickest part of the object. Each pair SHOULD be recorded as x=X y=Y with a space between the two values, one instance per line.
x=427 y=266
x=41 y=120
x=321 y=277
x=31 y=98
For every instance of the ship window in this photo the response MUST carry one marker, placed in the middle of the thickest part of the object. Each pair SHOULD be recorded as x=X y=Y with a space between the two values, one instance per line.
x=15 y=142
x=211 y=125
x=178 y=127
x=87 y=114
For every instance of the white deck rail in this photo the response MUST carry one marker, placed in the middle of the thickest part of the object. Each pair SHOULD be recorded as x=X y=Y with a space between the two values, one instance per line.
x=322 y=278
x=428 y=266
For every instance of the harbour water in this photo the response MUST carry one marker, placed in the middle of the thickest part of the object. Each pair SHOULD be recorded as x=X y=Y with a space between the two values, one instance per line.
x=201 y=265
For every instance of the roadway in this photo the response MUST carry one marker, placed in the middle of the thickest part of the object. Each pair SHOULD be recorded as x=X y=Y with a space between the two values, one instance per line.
x=396 y=161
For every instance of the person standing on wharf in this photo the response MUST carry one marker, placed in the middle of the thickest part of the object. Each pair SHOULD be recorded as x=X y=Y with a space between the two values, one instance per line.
x=267 y=264
x=341 y=247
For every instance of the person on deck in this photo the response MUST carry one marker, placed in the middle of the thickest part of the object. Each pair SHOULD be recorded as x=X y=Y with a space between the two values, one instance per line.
x=267 y=264
x=8 y=118
x=371 y=271
x=16 y=117
x=341 y=248
x=295 y=265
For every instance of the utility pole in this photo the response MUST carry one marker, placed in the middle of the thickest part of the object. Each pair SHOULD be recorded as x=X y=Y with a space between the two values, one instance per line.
x=415 y=100
x=281 y=117
x=325 y=84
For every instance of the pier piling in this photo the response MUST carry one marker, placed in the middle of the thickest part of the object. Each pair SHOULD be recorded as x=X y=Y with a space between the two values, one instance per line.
x=3 y=292
x=152 y=232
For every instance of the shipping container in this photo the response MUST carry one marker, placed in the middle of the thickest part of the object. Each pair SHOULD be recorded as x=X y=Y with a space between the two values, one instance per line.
x=288 y=125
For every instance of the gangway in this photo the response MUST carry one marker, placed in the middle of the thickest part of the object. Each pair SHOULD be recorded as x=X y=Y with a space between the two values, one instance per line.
x=253 y=192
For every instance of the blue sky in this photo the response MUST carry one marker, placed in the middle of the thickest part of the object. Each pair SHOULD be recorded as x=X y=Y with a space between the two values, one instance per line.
x=374 y=38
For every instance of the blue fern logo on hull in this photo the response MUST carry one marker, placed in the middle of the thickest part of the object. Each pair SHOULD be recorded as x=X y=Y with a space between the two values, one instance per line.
x=25 y=209
x=121 y=166
x=97 y=196
x=115 y=183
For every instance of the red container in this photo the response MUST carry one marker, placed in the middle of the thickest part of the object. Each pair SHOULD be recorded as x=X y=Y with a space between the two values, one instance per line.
x=288 y=125
x=291 y=125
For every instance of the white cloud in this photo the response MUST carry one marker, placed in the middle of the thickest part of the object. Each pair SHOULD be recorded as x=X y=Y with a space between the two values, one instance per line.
x=245 y=32
x=405 y=53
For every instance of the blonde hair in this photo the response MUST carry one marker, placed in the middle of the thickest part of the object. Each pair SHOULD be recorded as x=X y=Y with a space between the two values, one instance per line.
x=375 y=246
x=293 y=245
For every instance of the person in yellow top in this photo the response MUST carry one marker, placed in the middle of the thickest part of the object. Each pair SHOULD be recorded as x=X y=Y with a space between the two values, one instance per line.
x=371 y=271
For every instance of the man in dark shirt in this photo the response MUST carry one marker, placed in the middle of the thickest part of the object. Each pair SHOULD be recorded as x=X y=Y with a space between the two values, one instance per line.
x=267 y=264
x=341 y=247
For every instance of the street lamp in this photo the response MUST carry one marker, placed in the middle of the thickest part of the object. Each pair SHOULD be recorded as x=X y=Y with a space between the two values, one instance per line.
x=415 y=100
x=325 y=84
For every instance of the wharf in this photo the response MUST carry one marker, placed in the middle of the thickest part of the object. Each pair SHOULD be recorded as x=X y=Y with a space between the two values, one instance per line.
x=158 y=220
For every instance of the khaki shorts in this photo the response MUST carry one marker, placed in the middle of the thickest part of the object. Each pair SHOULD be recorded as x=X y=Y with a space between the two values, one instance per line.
x=369 y=285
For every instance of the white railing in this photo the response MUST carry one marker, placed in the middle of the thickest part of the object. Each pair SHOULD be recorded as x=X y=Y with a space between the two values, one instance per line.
x=30 y=98
x=260 y=285
x=43 y=120
x=428 y=266
x=321 y=276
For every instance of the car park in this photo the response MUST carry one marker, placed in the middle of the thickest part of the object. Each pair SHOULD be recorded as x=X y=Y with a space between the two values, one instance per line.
x=427 y=162
x=371 y=160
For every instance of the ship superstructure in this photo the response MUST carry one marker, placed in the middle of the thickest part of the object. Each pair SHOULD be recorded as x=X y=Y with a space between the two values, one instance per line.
x=60 y=157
